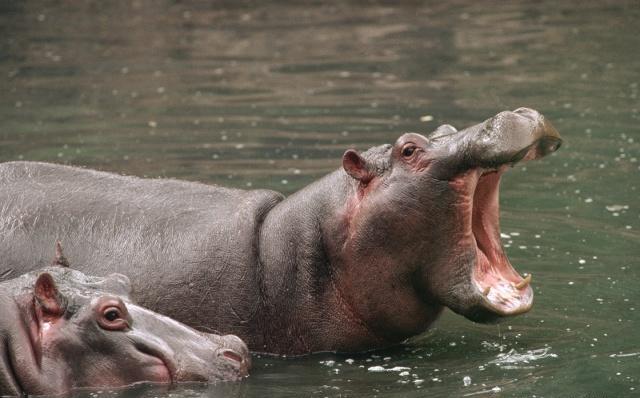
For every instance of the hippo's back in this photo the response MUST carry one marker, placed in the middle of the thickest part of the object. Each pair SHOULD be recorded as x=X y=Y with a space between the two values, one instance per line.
x=187 y=239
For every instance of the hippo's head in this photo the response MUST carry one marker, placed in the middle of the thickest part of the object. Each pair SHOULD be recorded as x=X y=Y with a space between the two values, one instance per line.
x=68 y=330
x=423 y=219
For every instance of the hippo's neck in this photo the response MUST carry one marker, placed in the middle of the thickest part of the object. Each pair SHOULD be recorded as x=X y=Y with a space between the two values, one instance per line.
x=298 y=256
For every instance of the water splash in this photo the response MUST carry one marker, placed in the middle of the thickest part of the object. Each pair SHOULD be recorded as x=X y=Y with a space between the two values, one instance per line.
x=515 y=360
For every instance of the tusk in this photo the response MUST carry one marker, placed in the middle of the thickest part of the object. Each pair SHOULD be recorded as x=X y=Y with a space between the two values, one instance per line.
x=524 y=283
x=486 y=290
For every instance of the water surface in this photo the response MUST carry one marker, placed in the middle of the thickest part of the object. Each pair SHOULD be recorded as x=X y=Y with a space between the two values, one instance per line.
x=270 y=95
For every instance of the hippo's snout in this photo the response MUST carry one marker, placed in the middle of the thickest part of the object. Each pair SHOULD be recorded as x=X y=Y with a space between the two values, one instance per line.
x=505 y=139
x=510 y=137
x=234 y=351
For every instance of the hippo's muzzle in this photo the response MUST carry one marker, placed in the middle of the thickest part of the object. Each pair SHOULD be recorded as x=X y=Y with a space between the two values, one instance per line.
x=505 y=139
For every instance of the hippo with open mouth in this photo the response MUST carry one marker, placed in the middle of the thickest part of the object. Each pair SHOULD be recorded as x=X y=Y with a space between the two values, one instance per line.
x=364 y=258
x=62 y=330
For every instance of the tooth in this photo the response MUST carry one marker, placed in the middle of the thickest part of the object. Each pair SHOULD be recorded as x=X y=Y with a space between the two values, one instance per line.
x=486 y=290
x=523 y=283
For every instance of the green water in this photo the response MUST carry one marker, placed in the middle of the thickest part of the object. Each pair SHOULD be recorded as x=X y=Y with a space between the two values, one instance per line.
x=270 y=95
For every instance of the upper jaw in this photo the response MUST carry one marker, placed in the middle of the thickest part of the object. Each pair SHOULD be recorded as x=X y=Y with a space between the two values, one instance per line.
x=505 y=139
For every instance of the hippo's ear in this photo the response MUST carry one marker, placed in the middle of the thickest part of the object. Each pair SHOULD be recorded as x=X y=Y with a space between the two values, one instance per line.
x=60 y=259
x=118 y=284
x=445 y=129
x=48 y=296
x=356 y=166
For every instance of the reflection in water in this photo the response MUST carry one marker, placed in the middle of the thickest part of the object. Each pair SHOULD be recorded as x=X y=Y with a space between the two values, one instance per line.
x=270 y=95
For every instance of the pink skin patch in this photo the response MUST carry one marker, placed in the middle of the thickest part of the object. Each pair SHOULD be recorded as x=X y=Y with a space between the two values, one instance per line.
x=503 y=289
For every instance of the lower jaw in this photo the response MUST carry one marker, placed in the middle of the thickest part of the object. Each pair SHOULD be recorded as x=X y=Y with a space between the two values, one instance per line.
x=502 y=290
x=503 y=308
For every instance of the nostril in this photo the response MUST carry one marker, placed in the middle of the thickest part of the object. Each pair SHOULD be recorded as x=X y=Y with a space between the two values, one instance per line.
x=234 y=356
x=551 y=145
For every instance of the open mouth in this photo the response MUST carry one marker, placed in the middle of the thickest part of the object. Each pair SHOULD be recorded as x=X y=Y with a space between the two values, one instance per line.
x=502 y=289
x=486 y=285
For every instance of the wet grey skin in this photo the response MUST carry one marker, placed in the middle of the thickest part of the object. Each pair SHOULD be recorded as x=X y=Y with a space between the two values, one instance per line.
x=363 y=258
x=63 y=330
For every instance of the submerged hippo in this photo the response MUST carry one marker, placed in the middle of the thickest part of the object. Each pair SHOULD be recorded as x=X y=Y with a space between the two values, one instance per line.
x=61 y=330
x=363 y=258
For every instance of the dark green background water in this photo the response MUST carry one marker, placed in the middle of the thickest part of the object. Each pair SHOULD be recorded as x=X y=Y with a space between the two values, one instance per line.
x=257 y=95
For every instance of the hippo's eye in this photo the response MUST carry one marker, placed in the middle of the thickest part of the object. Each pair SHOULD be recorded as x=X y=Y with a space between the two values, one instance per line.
x=113 y=315
x=408 y=151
